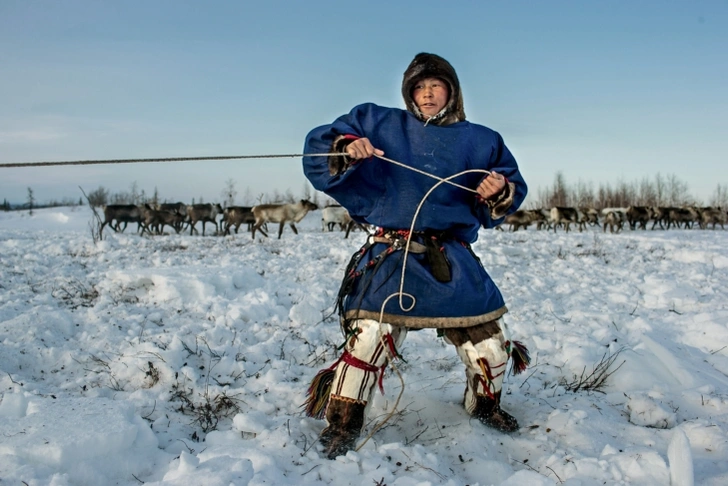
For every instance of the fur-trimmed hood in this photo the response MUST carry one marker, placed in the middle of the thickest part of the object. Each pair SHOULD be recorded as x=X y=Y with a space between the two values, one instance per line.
x=426 y=65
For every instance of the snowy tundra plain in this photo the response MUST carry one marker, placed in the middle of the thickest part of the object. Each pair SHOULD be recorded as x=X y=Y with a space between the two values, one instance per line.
x=184 y=360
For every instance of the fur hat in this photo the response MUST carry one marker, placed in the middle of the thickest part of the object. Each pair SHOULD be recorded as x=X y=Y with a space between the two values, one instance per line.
x=426 y=65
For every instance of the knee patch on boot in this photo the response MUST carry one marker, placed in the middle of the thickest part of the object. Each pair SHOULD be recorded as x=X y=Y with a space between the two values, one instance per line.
x=475 y=334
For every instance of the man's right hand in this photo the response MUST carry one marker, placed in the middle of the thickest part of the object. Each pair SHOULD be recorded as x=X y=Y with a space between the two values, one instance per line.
x=362 y=148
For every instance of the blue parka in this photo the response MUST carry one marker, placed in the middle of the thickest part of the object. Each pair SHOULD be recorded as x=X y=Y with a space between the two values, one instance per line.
x=380 y=193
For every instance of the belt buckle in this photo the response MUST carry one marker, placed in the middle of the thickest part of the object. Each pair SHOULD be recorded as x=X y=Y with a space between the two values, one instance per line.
x=397 y=243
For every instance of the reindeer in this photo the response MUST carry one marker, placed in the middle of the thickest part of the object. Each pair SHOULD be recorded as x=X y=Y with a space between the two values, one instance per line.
x=121 y=213
x=205 y=213
x=237 y=215
x=712 y=215
x=542 y=218
x=178 y=208
x=154 y=219
x=281 y=213
x=591 y=216
x=686 y=216
x=565 y=216
x=333 y=215
x=521 y=218
x=614 y=219
x=661 y=216
x=638 y=215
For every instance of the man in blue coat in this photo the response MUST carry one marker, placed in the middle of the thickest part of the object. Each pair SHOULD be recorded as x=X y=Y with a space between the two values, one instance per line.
x=418 y=270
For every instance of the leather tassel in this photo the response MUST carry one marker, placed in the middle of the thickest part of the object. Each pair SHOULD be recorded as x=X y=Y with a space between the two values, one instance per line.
x=318 y=393
x=520 y=358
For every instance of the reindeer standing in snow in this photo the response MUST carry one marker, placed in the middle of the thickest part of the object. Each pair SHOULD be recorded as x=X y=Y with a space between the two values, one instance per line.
x=281 y=213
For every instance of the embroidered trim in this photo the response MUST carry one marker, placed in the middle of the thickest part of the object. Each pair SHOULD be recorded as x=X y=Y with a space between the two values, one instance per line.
x=348 y=400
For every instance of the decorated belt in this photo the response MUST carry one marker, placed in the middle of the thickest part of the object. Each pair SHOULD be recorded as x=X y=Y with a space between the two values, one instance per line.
x=399 y=243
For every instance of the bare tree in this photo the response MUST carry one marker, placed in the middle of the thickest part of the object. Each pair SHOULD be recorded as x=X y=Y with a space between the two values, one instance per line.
x=31 y=201
x=95 y=224
x=98 y=197
x=646 y=194
x=134 y=193
x=155 y=197
x=559 y=193
x=542 y=199
x=719 y=199
x=624 y=193
x=660 y=190
x=120 y=198
x=678 y=192
x=289 y=196
x=248 y=197
x=604 y=196
x=228 y=193
x=584 y=195
x=306 y=191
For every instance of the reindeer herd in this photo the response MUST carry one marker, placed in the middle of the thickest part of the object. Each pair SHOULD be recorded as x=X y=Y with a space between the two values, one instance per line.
x=180 y=217
x=617 y=218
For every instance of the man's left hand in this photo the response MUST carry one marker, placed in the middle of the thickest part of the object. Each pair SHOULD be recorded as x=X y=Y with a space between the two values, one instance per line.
x=491 y=185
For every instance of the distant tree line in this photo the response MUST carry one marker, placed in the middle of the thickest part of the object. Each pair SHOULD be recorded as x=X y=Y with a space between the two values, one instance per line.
x=102 y=196
x=659 y=191
x=30 y=204
x=228 y=196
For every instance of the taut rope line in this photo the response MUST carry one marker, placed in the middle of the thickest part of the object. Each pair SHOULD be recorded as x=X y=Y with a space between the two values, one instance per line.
x=166 y=159
x=215 y=157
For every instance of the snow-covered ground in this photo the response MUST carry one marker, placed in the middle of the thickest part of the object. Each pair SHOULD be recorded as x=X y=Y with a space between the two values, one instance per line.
x=179 y=360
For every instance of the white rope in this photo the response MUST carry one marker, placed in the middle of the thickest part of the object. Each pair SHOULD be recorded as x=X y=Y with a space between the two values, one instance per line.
x=411 y=230
x=447 y=180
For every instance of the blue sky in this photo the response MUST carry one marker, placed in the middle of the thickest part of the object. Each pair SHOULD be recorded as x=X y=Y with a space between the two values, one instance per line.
x=601 y=91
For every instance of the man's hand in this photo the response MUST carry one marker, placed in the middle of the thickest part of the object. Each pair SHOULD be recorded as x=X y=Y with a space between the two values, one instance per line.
x=491 y=185
x=362 y=148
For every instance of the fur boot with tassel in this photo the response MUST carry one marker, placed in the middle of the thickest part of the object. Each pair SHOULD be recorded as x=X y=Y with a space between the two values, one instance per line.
x=345 y=417
x=488 y=411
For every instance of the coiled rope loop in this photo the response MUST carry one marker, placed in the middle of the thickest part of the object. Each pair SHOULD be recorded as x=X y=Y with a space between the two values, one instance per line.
x=401 y=293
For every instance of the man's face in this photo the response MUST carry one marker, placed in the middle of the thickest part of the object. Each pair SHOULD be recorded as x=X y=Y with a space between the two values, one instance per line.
x=430 y=95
